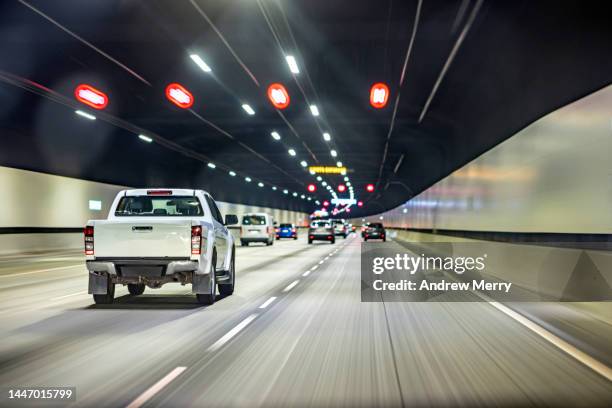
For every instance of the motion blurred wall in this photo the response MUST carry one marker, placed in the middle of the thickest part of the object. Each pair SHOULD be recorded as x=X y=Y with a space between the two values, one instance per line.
x=554 y=176
x=38 y=200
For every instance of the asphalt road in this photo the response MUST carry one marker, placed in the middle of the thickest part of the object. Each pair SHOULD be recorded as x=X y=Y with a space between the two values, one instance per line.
x=293 y=334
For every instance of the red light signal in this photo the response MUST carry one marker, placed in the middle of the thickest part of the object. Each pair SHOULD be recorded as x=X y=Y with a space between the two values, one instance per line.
x=325 y=203
x=359 y=203
x=91 y=96
x=312 y=188
x=348 y=210
x=342 y=188
x=370 y=188
x=179 y=95
x=379 y=95
x=278 y=95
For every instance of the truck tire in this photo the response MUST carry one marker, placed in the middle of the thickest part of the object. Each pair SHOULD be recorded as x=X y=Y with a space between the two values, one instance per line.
x=226 y=289
x=136 y=289
x=310 y=241
x=333 y=241
x=109 y=296
x=209 y=298
x=244 y=243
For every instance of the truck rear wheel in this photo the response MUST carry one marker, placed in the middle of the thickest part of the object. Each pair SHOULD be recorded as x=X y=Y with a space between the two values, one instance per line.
x=136 y=289
x=109 y=296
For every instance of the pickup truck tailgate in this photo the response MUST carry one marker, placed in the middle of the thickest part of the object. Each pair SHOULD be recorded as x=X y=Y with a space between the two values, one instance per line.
x=132 y=239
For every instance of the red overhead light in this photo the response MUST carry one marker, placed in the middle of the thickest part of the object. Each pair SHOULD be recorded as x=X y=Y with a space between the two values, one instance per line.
x=325 y=203
x=370 y=188
x=359 y=203
x=312 y=188
x=91 y=96
x=178 y=95
x=379 y=95
x=278 y=95
x=342 y=188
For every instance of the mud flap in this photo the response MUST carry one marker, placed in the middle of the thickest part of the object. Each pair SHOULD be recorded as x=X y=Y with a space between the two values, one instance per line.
x=201 y=284
x=98 y=284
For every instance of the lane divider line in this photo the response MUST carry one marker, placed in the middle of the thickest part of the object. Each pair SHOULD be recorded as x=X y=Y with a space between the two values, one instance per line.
x=579 y=355
x=157 y=387
x=81 y=265
x=70 y=295
x=230 y=334
x=321 y=262
x=291 y=285
x=306 y=273
x=314 y=267
x=267 y=302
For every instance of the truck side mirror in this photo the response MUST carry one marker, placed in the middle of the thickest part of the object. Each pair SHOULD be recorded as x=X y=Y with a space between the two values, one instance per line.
x=231 y=219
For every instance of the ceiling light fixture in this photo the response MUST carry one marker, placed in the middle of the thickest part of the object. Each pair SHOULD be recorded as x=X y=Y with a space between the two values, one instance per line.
x=85 y=115
x=291 y=152
x=303 y=163
x=212 y=165
x=314 y=110
x=333 y=153
x=247 y=108
x=232 y=173
x=293 y=66
x=276 y=135
x=145 y=138
x=200 y=62
x=326 y=137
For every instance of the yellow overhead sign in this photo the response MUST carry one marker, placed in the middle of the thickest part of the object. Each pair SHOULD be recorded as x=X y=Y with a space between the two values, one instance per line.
x=328 y=169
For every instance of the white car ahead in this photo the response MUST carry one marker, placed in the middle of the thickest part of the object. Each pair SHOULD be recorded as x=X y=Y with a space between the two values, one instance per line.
x=157 y=236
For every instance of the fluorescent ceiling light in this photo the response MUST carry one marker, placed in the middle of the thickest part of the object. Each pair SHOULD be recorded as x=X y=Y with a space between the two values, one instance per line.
x=324 y=183
x=339 y=164
x=200 y=62
x=333 y=153
x=312 y=172
x=247 y=108
x=85 y=115
x=314 y=110
x=346 y=178
x=294 y=194
x=303 y=163
x=302 y=196
x=212 y=165
x=247 y=179
x=274 y=188
x=232 y=173
x=293 y=67
x=285 y=191
x=145 y=138
x=275 y=135
x=291 y=152
x=319 y=178
x=260 y=184
x=326 y=137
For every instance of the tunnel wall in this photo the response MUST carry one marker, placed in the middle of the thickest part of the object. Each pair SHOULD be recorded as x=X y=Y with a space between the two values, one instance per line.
x=41 y=212
x=554 y=176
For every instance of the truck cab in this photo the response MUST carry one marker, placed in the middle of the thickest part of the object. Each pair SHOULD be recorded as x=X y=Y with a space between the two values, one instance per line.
x=156 y=236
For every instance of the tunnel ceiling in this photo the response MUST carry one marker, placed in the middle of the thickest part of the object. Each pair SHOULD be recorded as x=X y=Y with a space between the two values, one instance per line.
x=463 y=76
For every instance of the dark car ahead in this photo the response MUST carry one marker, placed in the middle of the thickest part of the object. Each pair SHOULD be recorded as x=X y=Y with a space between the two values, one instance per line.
x=363 y=229
x=321 y=230
x=375 y=230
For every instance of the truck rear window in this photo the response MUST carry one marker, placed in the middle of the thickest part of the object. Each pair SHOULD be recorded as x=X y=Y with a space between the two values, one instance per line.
x=162 y=206
x=253 y=220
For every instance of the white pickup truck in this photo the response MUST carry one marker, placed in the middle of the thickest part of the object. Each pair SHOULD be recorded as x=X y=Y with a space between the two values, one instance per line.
x=158 y=236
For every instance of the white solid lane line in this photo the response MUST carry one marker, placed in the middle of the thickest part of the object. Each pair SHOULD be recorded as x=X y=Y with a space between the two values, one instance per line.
x=306 y=273
x=581 y=356
x=42 y=270
x=70 y=295
x=291 y=285
x=321 y=262
x=157 y=387
x=267 y=302
x=228 y=336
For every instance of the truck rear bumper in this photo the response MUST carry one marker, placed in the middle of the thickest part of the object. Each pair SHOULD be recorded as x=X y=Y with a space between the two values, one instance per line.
x=120 y=267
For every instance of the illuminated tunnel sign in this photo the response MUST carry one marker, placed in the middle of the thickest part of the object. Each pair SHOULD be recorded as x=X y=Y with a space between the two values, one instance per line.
x=343 y=201
x=327 y=169
x=379 y=95
x=91 y=96
x=178 y=95
x=278 y=95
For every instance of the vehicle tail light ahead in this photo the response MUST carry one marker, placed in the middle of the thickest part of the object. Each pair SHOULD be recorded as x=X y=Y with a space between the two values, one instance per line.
x=196 y=240
x=88 y=232
x=293 y=230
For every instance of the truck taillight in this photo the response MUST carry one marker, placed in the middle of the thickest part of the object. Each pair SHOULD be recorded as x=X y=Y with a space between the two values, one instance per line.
x=88 y=232
x=293 y=229
x=196 y=240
